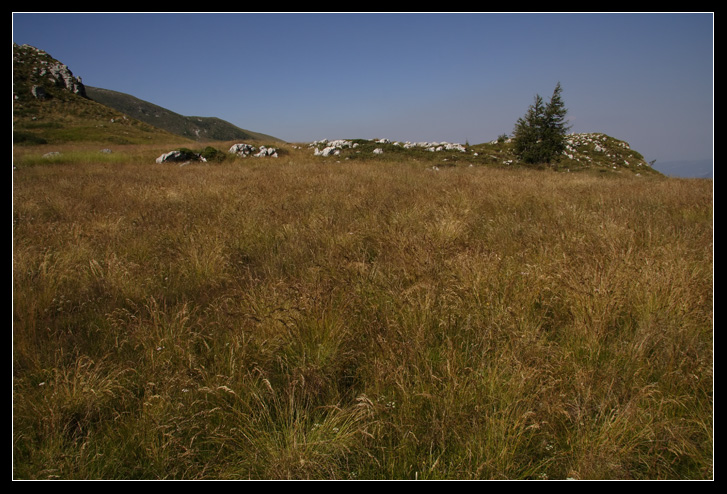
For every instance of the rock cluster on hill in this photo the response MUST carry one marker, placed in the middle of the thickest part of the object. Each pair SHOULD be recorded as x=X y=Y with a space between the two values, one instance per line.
x=324 y=147
x=331 y=148
x=244 y=150
x=46 y=72
x=241 y=149
x=608 y=151
x=435 y=146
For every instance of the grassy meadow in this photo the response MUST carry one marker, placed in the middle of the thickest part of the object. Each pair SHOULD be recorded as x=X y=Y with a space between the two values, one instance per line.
x=314 y=318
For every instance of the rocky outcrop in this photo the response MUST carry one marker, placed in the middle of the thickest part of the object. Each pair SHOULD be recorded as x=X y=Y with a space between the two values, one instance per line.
x=324 y=147
x=436 y=146
x=607 y=151
x=39 y=93
x=244 y=150
x=45 y=72
x=331 y=148
x=179 y=156
x=212 y=155
x=65 y=79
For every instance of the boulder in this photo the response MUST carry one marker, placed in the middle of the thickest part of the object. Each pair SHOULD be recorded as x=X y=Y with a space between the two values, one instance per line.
x=242 y=149
x=265 y=151
x=327 y=151
x=39 y=93
x=177 y=156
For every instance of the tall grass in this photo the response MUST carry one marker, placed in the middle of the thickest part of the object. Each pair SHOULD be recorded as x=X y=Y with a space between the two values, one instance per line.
x=301 y=318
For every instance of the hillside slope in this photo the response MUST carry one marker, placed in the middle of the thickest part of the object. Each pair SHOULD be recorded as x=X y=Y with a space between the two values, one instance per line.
x=593 y=152
x=52 y=106
x=196 y=128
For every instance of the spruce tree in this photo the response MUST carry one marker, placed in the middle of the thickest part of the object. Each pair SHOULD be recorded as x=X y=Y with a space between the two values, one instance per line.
x=556 y=126
x=539 y=136
x=527 y=133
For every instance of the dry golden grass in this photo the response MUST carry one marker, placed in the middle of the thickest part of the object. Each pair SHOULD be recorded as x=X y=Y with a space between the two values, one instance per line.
x=307 y=318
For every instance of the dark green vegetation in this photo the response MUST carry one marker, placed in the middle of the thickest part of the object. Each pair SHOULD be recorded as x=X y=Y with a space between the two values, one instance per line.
x=540 y=136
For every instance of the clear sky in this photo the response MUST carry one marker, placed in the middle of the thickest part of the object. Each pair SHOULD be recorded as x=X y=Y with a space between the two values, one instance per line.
x=646 y=78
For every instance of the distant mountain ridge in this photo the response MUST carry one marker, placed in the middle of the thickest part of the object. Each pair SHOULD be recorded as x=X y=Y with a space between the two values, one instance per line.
x=196 y=128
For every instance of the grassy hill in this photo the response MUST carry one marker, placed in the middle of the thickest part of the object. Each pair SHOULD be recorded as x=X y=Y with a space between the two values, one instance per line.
x=195 y=128
x=45 y=111
x=52 y=106
x=591 y=152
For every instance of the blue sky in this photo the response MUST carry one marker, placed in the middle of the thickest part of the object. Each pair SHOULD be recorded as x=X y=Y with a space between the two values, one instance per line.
x=645 y=78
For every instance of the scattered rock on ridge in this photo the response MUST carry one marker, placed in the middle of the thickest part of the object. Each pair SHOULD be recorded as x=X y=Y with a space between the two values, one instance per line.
x=242 y=149
x=607 y=151
x=436 y=146
x=331 y=148
x=324 y=147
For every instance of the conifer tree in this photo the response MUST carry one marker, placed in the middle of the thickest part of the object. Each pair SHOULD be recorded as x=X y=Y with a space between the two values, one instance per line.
x=539 y=136
x=556 y=126
x=527 y=134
